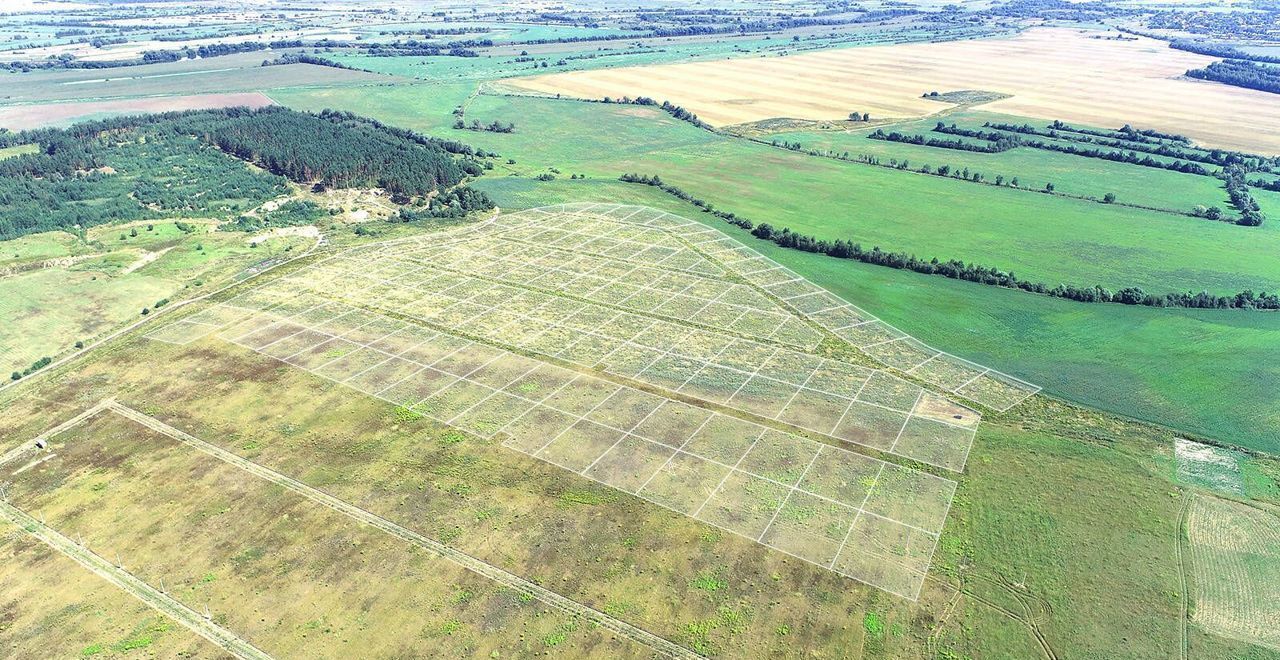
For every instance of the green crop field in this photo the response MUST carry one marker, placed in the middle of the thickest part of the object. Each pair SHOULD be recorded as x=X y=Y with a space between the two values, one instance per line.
x=1074 y=175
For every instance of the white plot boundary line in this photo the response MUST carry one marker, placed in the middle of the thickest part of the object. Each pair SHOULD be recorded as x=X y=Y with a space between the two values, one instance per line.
x=510 y=580
x=584 y=417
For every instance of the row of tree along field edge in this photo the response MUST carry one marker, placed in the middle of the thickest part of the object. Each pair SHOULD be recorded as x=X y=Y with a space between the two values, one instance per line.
x=956 y=269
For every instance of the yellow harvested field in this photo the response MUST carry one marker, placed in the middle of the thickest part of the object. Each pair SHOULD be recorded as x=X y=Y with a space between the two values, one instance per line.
x=1050 y=73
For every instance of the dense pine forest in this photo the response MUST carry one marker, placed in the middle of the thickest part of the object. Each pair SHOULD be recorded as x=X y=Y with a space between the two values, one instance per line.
x=193 y=163
x=1241 y=73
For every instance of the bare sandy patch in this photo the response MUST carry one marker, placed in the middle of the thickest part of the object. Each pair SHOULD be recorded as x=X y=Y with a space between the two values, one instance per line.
x=1051 y=73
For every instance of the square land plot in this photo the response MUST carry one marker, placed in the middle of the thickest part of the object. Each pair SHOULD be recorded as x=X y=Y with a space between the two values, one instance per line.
x=430 y=352
x=534 y=429
x=321 y=354
x=452 y=400
x=744 y=504
x=673 y=424
x=842 y=475
x=890 y=391
x=810 y=527
x=911 y=497
x=579 y=446
x=626 y=408
x=464 y=361
x=293 y=344
x=935 y=443
x=870 y=426
x=791 y=367
x=630 y=359
x=351 y=364
x=763 y=396
x=780 y=457
x=887 y=555
x=714 y=383
x=904 y=354
x=995 y=391
x=417 y=387
x=581 y=395
x=838 y=378
x=814 y=410
x=540 y=383
x=268 y=335
x=630 y=463
x=383 y=375
x=504 y=370
x=745 y=355
x=490 y=415
x=948 y=371
x=942 y=409
x=670 y=371
x=724 y=439
x=589 y=350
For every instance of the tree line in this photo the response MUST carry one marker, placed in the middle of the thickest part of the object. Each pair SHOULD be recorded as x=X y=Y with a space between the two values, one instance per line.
x=1241 y=73
x=1005 y=143
x=956 y=269
x=1146 y=141
x=1225 y=51
x=666 y=106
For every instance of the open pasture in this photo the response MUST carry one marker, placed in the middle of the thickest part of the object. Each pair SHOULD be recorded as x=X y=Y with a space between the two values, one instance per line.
x=1048 y=73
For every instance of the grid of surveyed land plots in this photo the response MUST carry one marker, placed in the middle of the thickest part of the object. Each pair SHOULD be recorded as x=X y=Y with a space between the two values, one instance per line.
x=510 y=327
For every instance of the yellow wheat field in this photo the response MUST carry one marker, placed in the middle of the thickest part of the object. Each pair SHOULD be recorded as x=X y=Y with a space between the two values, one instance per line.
x=1050 y=73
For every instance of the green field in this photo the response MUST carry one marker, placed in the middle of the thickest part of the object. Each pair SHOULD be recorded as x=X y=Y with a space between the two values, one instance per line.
x=49 y=309
x=1039 y=237
x=1072 y=175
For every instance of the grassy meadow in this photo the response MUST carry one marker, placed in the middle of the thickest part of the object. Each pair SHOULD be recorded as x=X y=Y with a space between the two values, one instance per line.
x=62 y=289
x=1072 y=175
